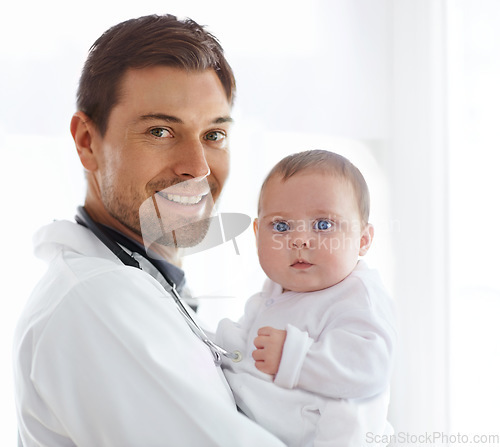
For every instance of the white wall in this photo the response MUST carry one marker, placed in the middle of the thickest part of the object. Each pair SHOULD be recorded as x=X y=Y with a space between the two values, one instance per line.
x=365 y=78
x=474 y=38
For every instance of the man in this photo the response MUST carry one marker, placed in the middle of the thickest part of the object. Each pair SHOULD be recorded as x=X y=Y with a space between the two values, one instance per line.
x=103 y=357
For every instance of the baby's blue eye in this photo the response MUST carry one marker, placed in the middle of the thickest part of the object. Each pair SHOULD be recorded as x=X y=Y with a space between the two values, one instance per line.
x=323 y=225
x=280 y=226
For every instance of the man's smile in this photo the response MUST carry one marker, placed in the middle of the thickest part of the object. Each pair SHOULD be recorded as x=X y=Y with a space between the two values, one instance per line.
x=182 y=199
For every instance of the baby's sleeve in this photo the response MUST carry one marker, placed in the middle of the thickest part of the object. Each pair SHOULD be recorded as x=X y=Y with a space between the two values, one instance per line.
x=295 y=349
x=350 y=359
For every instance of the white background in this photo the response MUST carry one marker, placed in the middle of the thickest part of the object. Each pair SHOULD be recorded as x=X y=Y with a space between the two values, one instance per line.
x=407 y=89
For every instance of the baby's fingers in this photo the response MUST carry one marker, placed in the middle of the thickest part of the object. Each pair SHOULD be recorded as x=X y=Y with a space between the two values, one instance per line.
x=263 y=363
x=261 y=341
x=266 y=330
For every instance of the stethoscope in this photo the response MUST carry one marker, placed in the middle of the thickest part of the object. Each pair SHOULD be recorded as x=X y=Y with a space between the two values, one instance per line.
x=105 y=237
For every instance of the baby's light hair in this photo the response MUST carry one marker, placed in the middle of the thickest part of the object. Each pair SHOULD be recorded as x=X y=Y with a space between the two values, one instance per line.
x=325 y=162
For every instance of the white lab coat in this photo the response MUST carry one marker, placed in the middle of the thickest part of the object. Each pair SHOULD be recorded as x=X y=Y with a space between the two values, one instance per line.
x=104 y=358
x=332 y=386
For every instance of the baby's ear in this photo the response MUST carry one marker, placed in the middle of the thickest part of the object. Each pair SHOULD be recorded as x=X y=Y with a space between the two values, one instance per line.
x=256 y=227
x=366 y=239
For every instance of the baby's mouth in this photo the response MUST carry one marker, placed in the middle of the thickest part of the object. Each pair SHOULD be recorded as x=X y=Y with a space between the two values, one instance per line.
x=301 y=264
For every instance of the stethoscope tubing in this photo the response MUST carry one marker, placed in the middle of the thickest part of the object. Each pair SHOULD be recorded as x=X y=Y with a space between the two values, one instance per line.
x=85 y=220
x=217 y=350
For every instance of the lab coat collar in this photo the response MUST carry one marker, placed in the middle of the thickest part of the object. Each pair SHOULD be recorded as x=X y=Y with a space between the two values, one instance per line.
x=62 y=235
x=167 y=269
x=59 y=235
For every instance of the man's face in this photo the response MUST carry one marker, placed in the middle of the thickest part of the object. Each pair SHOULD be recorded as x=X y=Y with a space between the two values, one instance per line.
x=167 y=145
x=308 y=231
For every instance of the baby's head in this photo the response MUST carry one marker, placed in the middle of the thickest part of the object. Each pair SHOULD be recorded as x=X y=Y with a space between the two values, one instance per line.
x=312 y=223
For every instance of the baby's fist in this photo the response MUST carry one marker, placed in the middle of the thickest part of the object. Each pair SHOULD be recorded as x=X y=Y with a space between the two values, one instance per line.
x=269 y=343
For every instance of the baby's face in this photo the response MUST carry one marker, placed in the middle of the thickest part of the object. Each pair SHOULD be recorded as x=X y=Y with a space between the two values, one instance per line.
x=308 y=231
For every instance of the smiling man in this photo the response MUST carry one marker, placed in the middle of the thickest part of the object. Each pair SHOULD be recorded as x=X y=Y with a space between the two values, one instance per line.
x=102 y=355
x=166 y=141
x=168 y=131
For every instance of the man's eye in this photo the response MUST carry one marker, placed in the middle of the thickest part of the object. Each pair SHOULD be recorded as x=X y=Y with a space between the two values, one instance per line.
x=281 y=226
x=160 y=132
x=215 y=135
x=323 y=225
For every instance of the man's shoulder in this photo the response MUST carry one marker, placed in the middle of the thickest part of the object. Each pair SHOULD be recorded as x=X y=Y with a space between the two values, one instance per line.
x=63 y=235
x=79 y=263
x=78 y=284
x=92 y=278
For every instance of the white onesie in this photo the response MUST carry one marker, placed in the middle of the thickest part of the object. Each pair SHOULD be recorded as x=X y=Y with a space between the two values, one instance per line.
x=332 y=386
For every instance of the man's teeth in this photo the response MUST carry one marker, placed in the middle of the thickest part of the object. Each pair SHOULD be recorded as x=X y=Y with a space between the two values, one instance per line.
x=185 y=200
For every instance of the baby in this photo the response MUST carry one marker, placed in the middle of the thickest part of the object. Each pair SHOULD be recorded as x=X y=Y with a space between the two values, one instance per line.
x=317 y=342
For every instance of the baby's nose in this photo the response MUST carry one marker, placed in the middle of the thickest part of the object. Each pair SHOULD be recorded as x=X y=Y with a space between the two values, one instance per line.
x=301 y=242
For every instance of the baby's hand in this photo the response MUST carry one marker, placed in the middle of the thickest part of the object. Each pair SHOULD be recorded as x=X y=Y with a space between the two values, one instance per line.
x=269 y=344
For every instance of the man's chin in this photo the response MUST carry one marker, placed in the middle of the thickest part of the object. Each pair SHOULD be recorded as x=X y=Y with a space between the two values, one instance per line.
x=185 y=236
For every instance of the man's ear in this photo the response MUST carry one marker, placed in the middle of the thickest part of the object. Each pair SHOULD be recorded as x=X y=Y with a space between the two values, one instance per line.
x=366 y=239
x=84 y=134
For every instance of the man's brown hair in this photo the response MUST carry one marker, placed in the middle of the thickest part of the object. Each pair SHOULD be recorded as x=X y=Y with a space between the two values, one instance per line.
x=144 y=42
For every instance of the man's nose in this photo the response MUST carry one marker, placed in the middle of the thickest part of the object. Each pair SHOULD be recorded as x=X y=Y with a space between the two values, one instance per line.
x=190 y=160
